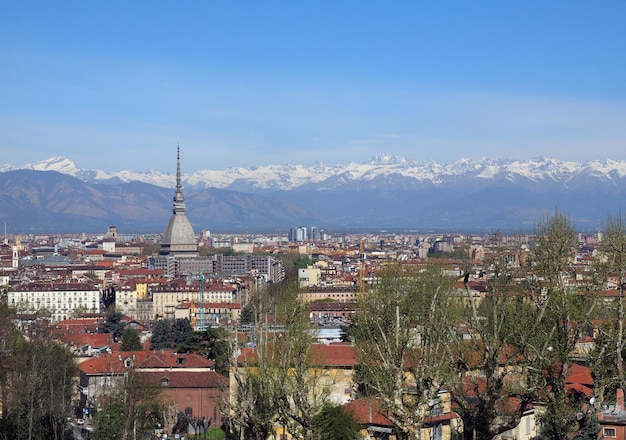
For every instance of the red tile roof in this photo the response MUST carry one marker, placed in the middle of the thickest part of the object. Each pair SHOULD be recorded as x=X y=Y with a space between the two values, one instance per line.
x=170 y=359
x=579 y=374
x=339 y=354
x=114 y=363
x=368 y=412
x=80 y=339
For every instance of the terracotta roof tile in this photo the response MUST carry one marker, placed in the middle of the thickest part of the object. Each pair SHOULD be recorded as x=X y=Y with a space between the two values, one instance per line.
x=368 y=412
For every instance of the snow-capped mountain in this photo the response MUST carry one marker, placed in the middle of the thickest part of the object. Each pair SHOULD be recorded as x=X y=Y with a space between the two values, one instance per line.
x=382 y=172
x=384 y=192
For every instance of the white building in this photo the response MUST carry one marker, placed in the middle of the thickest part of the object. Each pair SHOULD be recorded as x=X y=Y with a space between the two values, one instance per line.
x=126 y=300
x=61 y=299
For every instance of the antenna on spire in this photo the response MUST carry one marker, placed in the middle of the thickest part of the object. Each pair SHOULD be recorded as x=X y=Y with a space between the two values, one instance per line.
x=179 y=200
x=178 y=185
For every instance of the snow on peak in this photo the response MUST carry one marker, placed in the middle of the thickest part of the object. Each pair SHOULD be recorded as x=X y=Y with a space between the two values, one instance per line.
x=387 y=159
x=380 y=168
x=57 y=163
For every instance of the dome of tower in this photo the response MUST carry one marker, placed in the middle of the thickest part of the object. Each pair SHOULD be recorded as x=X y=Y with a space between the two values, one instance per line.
x=179 y=233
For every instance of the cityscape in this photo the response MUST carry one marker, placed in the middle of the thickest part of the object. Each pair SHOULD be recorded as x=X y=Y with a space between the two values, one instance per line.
x=177 y=323
x=313 y=220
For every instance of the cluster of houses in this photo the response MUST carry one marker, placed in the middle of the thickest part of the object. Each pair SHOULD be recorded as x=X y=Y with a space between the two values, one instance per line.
x=190 y=385
x=72 y=286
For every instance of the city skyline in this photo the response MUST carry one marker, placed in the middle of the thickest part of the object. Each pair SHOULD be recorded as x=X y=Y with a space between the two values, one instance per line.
x=274 y=83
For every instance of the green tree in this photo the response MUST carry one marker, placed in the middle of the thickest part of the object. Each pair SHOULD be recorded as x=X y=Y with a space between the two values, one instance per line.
x=247 y=314
x=130 y=340
x=109 y=422
x=135 y=408
x=253 y=404
x=113 y=325
x=181 y=330
x=169 y=333
x=162 y=335
x=298 y=395
x=590 y=428
x=11 y=343
x=213 y=343
x=332 y=422
x=218 y=348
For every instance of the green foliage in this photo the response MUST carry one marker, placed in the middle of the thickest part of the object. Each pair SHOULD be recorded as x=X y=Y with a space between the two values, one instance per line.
x=181 y=330
x=162 y=335
x=459 y=253
x=304 y=262
x=109 y=423
x=113 y=325
x=213 y=343
x=247 y=314
x=292 y=262
x=168 y=334
x=130 y=340
x=494 y=342
x=150 y=249
x=218 y=348
x=333 y=423
x=590 y=428
x=277 y=386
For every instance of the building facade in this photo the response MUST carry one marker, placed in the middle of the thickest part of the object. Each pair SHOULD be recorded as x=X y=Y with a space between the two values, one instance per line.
x=60 y=299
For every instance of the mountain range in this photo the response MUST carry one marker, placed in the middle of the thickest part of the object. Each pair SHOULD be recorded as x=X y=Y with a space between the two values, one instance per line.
x=384 y=192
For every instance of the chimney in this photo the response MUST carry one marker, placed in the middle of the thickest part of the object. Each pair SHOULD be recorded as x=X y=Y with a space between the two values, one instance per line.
x=619 y=402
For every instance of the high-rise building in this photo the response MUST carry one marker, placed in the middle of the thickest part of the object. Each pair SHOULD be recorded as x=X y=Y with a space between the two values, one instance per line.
x=315 y=236
x=297 y=234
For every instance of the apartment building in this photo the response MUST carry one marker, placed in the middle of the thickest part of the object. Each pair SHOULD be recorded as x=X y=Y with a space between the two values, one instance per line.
x=61 y=299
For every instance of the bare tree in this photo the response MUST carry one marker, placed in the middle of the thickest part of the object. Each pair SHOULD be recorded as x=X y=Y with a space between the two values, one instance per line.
x=275 y=384
x=490 y=359
x=402 y=334
x=561 y=312
x=610 y=265
x=45 y=389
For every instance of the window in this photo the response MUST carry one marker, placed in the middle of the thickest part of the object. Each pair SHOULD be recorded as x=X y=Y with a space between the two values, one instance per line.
x=165 y=382
x=609 y=432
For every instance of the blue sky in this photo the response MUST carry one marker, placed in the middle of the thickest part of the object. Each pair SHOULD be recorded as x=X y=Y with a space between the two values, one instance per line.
x=116 y=85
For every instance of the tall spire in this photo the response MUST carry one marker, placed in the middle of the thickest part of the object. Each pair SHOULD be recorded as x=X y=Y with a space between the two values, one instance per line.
x=179 y=200
x=179 y=240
